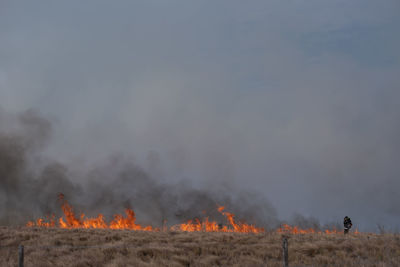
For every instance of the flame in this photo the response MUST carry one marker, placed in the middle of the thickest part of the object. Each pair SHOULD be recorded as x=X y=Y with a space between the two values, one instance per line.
x=70 y=220
x=41 y=223
x=207 y=226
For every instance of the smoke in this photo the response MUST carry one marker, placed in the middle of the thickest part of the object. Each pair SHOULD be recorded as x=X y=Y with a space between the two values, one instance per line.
x=206 y=103
x=27 y=184
x=30 y=184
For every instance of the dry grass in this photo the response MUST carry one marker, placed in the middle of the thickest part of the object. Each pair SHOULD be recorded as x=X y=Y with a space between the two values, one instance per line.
x=60 y=247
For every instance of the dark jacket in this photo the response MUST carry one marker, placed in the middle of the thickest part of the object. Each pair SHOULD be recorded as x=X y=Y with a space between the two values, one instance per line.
x=347 y=222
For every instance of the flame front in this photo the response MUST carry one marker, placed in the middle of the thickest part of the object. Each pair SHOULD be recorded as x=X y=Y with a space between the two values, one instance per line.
x=70 y=220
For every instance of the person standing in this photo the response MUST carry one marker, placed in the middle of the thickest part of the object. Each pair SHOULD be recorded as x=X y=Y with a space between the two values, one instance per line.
x=347 y=224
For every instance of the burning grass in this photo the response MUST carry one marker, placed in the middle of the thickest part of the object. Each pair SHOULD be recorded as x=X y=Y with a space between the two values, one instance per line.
x=106 y=247
x=129 y=222
x=72 y=221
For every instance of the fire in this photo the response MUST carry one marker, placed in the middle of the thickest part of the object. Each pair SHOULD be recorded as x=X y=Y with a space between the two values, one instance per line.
x=207 y=226
x=41 y=223
x=70 y=220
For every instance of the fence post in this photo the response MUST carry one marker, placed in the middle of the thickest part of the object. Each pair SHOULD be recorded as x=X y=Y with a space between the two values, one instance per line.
x=21 y=256
x=285 y=246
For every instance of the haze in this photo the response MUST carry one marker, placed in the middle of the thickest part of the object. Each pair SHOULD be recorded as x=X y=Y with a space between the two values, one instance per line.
x=293 y=101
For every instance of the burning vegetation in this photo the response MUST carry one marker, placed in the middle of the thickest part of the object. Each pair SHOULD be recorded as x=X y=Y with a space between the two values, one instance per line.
x=128 y=222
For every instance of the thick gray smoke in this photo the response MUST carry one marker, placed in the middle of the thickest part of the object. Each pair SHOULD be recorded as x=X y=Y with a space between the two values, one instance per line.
x=30 y=184
x=200 y=101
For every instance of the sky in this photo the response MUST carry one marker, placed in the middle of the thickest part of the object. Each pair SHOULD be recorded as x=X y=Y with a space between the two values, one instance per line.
x=294 y=100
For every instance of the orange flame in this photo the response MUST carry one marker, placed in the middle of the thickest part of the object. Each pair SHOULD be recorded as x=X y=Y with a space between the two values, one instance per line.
x=41 y=223
x=71 y=221
x=207 y=226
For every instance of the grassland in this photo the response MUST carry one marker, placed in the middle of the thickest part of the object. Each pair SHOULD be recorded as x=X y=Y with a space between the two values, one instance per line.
x=63 y=247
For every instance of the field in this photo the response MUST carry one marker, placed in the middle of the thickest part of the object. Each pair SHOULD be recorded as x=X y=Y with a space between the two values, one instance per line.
x=93 y=247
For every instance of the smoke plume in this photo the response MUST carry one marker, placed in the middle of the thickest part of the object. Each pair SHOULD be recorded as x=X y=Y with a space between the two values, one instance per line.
x=30 y=184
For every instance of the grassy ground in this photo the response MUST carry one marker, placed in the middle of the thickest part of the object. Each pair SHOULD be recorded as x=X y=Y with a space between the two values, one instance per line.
x=62 y=247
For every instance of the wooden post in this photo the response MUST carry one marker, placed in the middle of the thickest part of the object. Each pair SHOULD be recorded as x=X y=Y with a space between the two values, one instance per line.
x=21 y=256
x=285 y=255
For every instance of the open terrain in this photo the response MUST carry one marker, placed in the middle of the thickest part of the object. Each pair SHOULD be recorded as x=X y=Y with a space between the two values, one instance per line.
x=95 y=247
